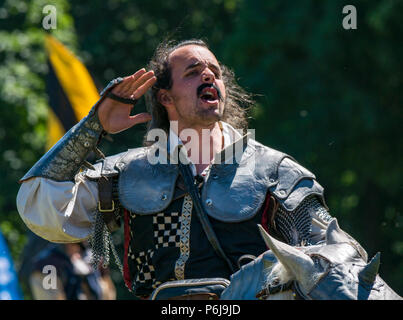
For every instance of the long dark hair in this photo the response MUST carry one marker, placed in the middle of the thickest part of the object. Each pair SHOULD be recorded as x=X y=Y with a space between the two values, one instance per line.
x=237 y=102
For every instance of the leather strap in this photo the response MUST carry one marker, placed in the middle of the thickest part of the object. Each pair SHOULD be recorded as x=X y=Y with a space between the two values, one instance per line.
x=273 y=289
x=105 y=194
x=106 y=204
x=188 y=178
x=113 y=96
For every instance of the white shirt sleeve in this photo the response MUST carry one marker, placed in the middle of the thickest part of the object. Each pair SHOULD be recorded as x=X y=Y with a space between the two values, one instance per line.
x=58 y=211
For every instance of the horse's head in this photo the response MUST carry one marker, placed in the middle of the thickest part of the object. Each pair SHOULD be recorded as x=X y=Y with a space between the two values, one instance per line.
x=337 y=269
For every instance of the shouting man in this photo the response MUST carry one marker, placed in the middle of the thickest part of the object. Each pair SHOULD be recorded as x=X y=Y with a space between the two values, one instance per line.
x=190 y=218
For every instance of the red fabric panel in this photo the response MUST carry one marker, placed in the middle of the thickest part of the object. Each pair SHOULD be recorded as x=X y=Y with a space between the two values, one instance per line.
x=265 y=215
x=126 y=271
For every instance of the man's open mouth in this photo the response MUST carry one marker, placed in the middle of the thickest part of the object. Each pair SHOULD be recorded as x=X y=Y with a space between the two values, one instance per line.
x=208 y=93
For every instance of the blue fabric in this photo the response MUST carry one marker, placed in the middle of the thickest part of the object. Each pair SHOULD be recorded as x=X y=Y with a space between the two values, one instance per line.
x=9 y=286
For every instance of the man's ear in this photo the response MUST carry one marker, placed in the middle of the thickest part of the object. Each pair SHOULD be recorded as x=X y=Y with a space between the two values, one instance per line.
x=164 y=98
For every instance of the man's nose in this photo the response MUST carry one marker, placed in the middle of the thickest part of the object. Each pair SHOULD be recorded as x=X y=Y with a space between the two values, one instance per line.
x=208 y=76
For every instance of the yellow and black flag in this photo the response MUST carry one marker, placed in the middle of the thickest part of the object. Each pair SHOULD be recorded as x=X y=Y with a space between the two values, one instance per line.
x=70 y=89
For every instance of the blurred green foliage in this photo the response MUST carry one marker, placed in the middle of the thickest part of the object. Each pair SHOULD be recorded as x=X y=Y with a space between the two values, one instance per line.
x=327 y=96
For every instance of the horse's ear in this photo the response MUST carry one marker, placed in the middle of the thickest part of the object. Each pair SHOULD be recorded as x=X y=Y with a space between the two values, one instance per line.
x=295 y=261
x=334 y=234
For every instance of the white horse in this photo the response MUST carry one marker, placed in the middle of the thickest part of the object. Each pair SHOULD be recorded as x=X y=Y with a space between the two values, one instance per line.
x=334 y=270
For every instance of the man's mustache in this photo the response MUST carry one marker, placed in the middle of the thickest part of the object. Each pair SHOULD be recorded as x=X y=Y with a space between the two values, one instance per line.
x=209 y=85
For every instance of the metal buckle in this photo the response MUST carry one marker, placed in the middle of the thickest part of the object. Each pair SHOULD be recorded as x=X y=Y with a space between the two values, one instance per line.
x=106 y=210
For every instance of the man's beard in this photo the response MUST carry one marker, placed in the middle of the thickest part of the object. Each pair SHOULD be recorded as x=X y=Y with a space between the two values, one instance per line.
x=201 y=115
x=209 y=116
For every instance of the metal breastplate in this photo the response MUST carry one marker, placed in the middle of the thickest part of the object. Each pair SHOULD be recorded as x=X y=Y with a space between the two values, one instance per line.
x=232 y=193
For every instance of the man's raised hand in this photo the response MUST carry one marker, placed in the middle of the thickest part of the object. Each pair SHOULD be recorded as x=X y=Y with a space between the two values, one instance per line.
x=114 y=115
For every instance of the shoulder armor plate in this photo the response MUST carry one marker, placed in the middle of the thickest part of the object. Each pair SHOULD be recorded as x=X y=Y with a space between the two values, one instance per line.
x=235 y=192
x=295 y=184
x=145 y=188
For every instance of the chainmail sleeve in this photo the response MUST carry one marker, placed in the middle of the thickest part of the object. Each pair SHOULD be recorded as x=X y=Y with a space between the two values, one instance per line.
x=300 y=215
x=306 y=225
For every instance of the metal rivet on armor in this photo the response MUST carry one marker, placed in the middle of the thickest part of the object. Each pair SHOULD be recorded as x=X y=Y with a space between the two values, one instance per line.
x=272 y=180
x=86 y=144
x=282 y=192
x=77 y=160
x=164 y=197
x=209 y=202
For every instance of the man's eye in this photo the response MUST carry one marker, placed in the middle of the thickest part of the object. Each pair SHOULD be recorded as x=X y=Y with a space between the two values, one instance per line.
x=191 y=73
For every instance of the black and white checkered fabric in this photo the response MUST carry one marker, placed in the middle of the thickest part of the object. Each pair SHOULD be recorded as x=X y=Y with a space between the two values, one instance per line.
x=166 y=230
x=166 y=233
x=146 y=271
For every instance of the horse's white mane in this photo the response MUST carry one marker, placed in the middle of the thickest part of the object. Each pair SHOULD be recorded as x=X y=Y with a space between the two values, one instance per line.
x=278 y=274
